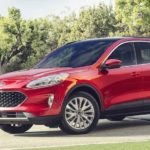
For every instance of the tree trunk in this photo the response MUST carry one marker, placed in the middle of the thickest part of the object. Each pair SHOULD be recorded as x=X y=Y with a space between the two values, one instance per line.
x=0 y=69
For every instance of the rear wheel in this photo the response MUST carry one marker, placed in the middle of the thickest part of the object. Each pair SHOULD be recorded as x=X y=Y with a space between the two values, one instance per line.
x=80 y=114
x=116 y=118
x=15 y=128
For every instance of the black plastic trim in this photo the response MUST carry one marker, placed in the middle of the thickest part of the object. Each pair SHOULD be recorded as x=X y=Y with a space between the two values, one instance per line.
x=128 y=109
x=45 y=120
x=88 y=86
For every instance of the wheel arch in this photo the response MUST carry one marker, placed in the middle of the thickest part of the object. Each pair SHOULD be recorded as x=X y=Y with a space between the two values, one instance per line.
x=89 y=89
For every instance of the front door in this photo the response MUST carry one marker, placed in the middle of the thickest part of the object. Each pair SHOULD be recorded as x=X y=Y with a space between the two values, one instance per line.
x=122 y=86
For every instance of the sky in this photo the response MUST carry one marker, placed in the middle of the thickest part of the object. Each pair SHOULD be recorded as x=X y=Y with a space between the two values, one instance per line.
x=41 y=8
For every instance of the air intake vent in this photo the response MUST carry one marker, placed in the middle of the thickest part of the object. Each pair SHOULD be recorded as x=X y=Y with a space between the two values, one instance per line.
x=11 y=99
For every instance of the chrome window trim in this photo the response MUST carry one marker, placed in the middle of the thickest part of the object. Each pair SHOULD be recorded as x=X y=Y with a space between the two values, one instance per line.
x=134 y=50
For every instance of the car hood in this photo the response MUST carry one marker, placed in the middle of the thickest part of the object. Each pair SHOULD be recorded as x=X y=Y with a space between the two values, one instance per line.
x=35 y=73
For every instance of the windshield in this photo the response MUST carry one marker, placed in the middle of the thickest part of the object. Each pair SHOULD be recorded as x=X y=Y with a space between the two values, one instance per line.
x=75 y=55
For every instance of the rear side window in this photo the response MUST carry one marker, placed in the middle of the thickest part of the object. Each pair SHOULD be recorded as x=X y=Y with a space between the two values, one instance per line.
x=143 y=52
x=125 y=53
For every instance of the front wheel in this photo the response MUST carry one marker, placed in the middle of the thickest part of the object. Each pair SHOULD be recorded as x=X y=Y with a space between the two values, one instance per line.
x=80 y=114
x=15 y=128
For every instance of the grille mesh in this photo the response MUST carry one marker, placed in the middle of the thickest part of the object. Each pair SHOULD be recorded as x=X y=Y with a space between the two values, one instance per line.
x=11 y=99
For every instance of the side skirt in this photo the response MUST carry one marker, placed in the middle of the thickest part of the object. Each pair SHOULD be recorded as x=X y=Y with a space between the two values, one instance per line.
x=128 y=109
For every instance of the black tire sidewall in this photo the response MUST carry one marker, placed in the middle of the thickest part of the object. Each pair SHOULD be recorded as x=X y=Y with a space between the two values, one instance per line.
x=116 y=118
x=67 y=128
x=14 y=130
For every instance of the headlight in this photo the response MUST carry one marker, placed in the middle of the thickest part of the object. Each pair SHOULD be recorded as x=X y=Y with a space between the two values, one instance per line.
x=48 y=81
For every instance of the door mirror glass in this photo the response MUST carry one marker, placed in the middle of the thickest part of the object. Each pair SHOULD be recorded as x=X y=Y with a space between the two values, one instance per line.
x=112 y=63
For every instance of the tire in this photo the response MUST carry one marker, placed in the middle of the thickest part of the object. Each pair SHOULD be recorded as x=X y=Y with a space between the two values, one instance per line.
x=14 y=129
x=116 y=118
x=84 y=119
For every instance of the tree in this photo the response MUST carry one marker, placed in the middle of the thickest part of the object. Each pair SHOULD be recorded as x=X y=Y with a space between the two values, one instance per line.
x=37 y=43
x=10 y=36
x=133 y=17
x=20 y=39
x=96 y=21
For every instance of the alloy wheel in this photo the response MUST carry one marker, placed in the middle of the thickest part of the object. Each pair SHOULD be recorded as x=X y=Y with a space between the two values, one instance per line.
x=79 y=113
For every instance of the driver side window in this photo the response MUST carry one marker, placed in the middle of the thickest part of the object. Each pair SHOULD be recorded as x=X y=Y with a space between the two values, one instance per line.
x=125 y=53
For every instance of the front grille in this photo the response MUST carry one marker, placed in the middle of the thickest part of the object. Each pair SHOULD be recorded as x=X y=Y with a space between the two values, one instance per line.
x=11 y=99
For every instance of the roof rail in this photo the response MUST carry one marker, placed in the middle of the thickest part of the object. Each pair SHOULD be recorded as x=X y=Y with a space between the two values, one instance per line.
x=135 y=36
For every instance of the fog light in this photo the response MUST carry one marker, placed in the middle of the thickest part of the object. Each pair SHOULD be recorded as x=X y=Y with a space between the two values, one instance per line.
x=50 y=100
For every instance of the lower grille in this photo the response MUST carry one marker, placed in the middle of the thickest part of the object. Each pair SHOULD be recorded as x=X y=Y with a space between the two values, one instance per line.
x=12 y=115
x=13 y=118
x=11 y=99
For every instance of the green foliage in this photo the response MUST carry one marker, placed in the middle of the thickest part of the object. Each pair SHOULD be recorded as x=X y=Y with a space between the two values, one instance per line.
x=93 y=22
x=133 y=17
x=21 y=39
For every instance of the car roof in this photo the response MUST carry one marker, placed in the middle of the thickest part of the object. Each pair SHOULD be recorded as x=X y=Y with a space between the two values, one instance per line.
x=110 y=39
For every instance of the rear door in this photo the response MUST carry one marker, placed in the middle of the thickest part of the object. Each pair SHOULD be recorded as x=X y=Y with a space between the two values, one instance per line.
x=143 y=60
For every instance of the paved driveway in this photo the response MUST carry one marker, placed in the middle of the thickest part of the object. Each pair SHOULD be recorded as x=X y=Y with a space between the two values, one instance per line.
x=135 y=128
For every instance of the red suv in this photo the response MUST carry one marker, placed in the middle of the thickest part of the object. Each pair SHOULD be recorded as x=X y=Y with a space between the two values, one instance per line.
x=78 y=84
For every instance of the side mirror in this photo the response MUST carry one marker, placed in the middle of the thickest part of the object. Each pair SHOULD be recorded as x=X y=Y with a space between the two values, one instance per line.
x=111 y=63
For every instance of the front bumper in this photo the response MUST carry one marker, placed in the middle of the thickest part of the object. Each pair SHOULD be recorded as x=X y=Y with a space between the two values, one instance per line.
x=36 y=101
x=35 y=107
x=27 y=118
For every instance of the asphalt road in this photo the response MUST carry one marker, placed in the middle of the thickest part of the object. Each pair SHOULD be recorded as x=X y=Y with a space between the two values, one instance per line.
x=135 y=128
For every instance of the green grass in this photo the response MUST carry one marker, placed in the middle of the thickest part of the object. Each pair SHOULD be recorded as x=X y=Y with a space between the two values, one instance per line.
x=118 y=146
